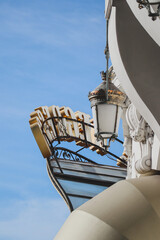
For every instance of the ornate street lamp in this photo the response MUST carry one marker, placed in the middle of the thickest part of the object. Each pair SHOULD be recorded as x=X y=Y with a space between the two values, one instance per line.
x=106 y=109
x=153 y=7
x=106 y=101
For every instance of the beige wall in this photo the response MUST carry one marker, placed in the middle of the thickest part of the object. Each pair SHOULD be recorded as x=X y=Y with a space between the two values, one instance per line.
x=130 y=209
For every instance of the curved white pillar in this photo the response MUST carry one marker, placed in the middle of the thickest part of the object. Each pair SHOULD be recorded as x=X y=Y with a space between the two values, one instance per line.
x=136 y=60
x=130 y=209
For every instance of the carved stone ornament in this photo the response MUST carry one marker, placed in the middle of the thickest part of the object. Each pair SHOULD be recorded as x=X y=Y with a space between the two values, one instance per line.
x=136 y=124
x=142 y=139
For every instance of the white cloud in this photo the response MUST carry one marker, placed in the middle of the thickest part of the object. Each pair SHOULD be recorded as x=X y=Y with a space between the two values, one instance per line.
x=33 y=219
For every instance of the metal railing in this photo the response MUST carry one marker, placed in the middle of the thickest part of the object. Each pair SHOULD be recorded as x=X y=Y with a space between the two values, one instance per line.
x=63 y=135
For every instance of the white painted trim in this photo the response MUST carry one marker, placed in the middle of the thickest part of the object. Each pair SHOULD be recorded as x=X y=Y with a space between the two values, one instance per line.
x=151 y=27
x=123 y=77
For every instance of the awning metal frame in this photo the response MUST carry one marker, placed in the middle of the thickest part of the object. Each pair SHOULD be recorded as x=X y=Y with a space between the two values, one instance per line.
x=61 y=155
x=85 y=141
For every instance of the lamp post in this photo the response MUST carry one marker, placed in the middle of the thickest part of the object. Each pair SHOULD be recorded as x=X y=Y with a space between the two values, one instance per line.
x=153 y=7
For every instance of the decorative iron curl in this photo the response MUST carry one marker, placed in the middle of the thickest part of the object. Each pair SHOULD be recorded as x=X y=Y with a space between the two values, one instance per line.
x=66 y=154
x=78 y=159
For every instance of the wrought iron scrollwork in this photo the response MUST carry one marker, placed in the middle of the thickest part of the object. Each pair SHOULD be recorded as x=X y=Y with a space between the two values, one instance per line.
x=78 y=159
x=63 y=135
x=66 y=154
x=56 y=153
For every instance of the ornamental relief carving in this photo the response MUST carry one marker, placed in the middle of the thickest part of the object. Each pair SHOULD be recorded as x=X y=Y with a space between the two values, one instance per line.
x=142 y=137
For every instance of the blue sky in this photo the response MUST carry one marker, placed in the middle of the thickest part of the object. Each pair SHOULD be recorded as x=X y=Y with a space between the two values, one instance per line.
x=51 y=53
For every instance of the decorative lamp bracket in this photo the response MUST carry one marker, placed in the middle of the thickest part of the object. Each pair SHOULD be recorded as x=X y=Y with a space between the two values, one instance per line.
x=148 y=4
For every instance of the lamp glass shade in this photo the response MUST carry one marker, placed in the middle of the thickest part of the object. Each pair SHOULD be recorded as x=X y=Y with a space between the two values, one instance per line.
x=106 y=119
x=155 y=6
